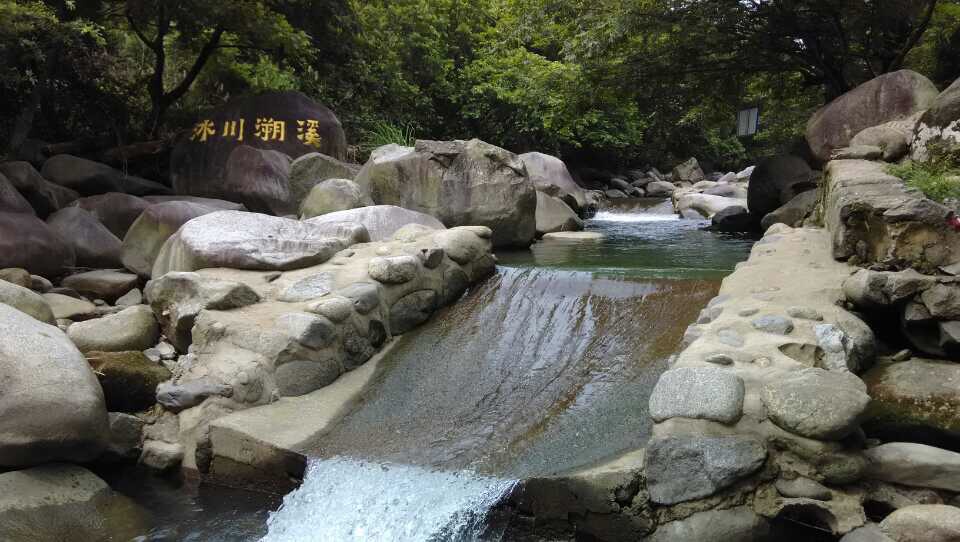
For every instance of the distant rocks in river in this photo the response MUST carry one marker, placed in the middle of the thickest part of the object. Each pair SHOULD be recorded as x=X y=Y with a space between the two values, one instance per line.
x=550 y=176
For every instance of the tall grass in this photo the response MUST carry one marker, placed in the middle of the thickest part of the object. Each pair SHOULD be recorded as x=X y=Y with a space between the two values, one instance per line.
x=384 y=133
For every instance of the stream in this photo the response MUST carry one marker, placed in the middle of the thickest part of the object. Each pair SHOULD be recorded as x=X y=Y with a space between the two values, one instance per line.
x=543 y=368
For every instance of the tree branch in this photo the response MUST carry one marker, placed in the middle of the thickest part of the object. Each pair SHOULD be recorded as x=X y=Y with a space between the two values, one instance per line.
x=208 y=49
x=914 y=38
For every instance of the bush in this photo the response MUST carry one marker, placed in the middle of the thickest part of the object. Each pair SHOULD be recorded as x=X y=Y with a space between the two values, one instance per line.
x=938 y=177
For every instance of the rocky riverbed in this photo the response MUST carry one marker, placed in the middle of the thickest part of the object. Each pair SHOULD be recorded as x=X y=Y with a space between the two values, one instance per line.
x=285 y=319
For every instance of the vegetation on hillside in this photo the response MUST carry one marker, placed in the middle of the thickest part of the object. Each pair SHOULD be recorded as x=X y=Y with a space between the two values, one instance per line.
x=608 y=82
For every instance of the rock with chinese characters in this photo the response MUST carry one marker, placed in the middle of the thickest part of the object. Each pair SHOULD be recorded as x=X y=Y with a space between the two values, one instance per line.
x=286 y=122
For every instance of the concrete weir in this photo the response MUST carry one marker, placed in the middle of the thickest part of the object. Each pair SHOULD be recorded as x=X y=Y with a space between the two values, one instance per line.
x=266 y=446
x=764 y=394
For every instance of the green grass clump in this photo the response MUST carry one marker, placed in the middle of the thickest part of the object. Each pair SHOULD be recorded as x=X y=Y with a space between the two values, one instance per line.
x=384 y=133
x=938 y=177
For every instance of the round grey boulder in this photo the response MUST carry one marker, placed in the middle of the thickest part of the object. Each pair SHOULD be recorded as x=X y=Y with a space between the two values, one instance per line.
x=52 y=406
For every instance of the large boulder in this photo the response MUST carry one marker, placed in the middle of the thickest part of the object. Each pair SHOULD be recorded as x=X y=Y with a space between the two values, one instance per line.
x=218 y=204
x=133 y=328
x=87 y=177
x=153 y=227
x=940 y=123
x=776 y=181
x=381 y=221
x=889 y=97
x=923 y=522
x=45 y=197
x=688 y=172
x=177 y=298
x=27 y=242
x=52 y=407
x=106 y=284
x=287 y=122
x=793 y=212
x=892 y=138
x=26 y=301
x=735 y=218
x=260 y=180
x=94 y=245
x=10 y=199
x=313 y=168
x=333 y=195
x=65 y=502
x=90 y=178
x=242 y=240
x=917 y=400
x=462 y=183
x=660 y=189
x=129 y=379
x=554 y=215
x=916 y=465
x=705 y=204
x=114 y=210
x=550 y=175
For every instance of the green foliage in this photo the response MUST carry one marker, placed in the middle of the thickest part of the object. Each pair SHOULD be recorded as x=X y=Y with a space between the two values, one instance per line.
x=938 y=177
x=607 y=83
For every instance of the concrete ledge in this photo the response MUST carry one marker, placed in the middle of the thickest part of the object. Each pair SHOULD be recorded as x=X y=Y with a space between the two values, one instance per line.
x=263 y=447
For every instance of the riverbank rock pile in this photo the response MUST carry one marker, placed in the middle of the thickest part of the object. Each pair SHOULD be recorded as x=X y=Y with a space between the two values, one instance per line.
x=820 y=387
x=242 y=308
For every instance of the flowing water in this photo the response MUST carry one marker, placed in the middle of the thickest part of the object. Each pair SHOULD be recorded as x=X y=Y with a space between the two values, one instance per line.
x=543 y=368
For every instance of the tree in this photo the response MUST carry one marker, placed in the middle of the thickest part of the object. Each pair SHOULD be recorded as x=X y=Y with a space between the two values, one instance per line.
x=197 y=29
x=836 y=44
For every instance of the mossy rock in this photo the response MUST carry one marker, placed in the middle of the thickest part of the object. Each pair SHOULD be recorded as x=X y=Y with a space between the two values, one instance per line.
x=916 y=401
x=129 y=379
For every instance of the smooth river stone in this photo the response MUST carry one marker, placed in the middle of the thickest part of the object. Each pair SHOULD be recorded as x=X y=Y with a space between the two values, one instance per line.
x=685 y=468
x=706 y=393
x=816 y=403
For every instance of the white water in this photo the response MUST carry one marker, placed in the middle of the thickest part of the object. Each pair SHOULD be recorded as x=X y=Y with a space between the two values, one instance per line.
x=611 y=216
x=345 y=500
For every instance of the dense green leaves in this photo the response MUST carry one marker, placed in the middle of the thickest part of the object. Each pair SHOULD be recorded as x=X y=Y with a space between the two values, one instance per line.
x=604 y=82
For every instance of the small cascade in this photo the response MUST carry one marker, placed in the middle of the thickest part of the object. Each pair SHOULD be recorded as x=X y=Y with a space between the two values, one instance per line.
x=345 y=500
x=620 y=216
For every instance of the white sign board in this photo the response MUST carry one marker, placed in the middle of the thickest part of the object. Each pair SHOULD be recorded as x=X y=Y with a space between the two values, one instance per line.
x=748 y=121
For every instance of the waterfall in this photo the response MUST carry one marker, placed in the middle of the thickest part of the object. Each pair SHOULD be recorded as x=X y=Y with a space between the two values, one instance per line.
x=346 y=500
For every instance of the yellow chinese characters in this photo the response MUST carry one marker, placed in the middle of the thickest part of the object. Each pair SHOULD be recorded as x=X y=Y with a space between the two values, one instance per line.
x=265 y=129
x=202 y=130
x=269 y=129
x=233 y=128
x=308 y=132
